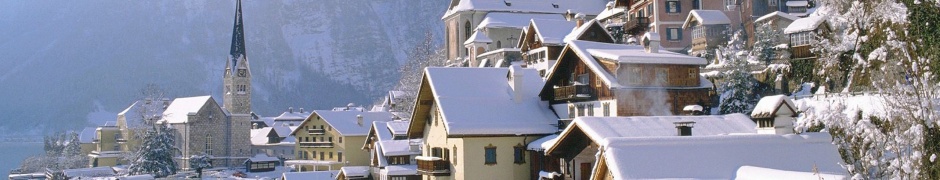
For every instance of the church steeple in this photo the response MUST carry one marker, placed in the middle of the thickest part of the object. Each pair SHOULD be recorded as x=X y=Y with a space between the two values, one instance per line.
x=237 y=76
x=238 y=37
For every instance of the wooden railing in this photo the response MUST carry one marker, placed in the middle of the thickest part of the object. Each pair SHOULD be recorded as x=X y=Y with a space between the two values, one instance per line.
x=316 y=131
x=803 y=51
x=573 y=92
x=636 y=25
x=433 y=166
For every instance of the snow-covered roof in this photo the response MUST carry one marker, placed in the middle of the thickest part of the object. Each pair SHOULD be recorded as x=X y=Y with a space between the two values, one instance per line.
x=513 y=20
x=797 y=3
x=262 y=158
x=528 y=6
x=630 y=54
x=767 y=106
x=179 y=110
x=346 y=122
x=260 y=136
x=760 y=173
x=381 y=130
x=398 y=127
x=292 y=115
x=400 y=170
x=355 y=171
x=706 y=17
x=132 y=116
x=87 y=135
x=484 y=104
x=478 y=37
x=718 y=157
x=310 y=175
x=543 y=143
x=580 y=30
x=552 y=31
x=804 y=24
x=89 y=172
x=400 y=147
x=608 y=13
x=777 y=13
x=137 y=177
x=599 y=129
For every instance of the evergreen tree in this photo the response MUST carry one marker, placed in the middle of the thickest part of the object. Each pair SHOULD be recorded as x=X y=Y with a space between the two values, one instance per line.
x=72 y=146
x=765 y=46
x=200 y=162
x=156 y=153
x=737 y=90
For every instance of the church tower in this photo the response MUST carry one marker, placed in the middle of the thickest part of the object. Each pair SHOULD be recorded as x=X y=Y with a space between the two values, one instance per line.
x=237 y=77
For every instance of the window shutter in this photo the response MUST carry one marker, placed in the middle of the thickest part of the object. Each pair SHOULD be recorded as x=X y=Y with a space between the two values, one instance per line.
x=678 y=7
x=669 y=33
x=679 y=32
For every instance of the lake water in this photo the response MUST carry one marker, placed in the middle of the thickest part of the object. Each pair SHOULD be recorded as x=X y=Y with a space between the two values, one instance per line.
x=13 y=153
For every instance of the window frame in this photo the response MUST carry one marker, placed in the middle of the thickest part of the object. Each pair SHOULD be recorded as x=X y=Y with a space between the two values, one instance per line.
x=489 y=155
x=518 y=154
x=673 y=7
x=674 y=37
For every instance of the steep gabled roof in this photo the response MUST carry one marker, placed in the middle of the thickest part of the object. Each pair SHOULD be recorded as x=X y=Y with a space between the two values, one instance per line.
x=581 y=32
x=552 y=31
x=179 y=110
x=767 y=107
x=777 y=14
x=346 y=122
x=706 y=17
x=484 y=104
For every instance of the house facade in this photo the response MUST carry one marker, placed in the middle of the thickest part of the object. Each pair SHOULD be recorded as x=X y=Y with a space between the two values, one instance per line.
x=666 y=17
x=328 y=140
x=205 y=128
x=478 y=128
x=710 y=29
x=392 y=154
x=603 y=79
x=803 y=33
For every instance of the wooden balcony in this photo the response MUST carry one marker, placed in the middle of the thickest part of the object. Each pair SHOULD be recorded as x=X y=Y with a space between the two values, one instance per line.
x=316 y=131
x=573 y=92
x=316 y=144
x=433 y=166
x=801 y=52
x=636 y=25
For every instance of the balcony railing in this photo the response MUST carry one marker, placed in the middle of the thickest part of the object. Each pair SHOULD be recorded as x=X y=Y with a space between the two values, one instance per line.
x=317 y=144
x=573 y=92
x=121 y=140
x=636 y=25
x=316 y=131
x=802 y=51
x=433 y=166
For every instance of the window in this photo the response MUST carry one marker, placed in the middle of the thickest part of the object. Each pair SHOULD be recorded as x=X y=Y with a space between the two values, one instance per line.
x=466 y=30
x=331 y=139
x=340 y=139
x=398 y=178
x=772 y=2
x=661 y=76
x=635 y=77
x=730 y=3
x=314 y=153
x=765 y=123
x=331 y=155
x=696 y=4
x=499 y=44
x=692 y=73
x=698 y=32
x=606 y=107
x=340 y=156
x=673 y=6
x=649 y=10
x=321 y=155
x=571 y=111
x=518 y=154
x=446 y=155
x=673 y=34
x=454 y=160
x=208 y=147
x=490 y=153
x=580 y=110
x=590 y=109
x=583 y=78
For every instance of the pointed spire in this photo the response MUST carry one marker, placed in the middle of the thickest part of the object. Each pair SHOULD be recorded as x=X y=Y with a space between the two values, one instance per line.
x=238 y=37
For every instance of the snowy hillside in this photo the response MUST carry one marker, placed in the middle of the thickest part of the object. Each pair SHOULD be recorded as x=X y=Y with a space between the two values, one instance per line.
x=69 y=63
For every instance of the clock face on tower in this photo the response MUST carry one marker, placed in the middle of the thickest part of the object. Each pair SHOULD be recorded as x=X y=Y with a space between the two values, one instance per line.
x=241 y=73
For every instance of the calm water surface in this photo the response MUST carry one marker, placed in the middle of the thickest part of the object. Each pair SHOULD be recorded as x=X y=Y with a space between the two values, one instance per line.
x=13 y=153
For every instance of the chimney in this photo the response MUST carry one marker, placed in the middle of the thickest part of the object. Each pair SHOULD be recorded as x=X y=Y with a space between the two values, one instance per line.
x=651 y=42
x=580 y=19
x=359 y=120
x=684 y=128
x=301 y=110
x=290 y=109
x=515 y=80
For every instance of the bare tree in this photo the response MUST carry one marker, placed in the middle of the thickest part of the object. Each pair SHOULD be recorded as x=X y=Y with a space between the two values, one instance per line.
x=425 y=54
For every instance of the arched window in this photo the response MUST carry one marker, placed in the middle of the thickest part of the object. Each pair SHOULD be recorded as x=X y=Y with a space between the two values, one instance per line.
x=466 y=30
x=499 y=45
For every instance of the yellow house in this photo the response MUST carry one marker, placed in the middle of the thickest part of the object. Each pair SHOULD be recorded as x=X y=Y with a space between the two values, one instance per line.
x=476 y=122
x=328 y=140
x=87 y=138
x=107 y=149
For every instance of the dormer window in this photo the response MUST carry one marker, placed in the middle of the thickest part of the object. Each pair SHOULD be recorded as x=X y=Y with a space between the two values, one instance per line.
x=765 y=123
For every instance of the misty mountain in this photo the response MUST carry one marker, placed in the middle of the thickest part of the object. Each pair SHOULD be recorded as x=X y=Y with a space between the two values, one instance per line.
x=70 y=64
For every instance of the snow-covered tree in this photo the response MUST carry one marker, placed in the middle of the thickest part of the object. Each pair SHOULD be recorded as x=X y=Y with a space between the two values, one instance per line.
x=765 y=44
x=72 y=147
x=737 y=89
x=425 y=54
x=200 y=162
x=156 y=153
